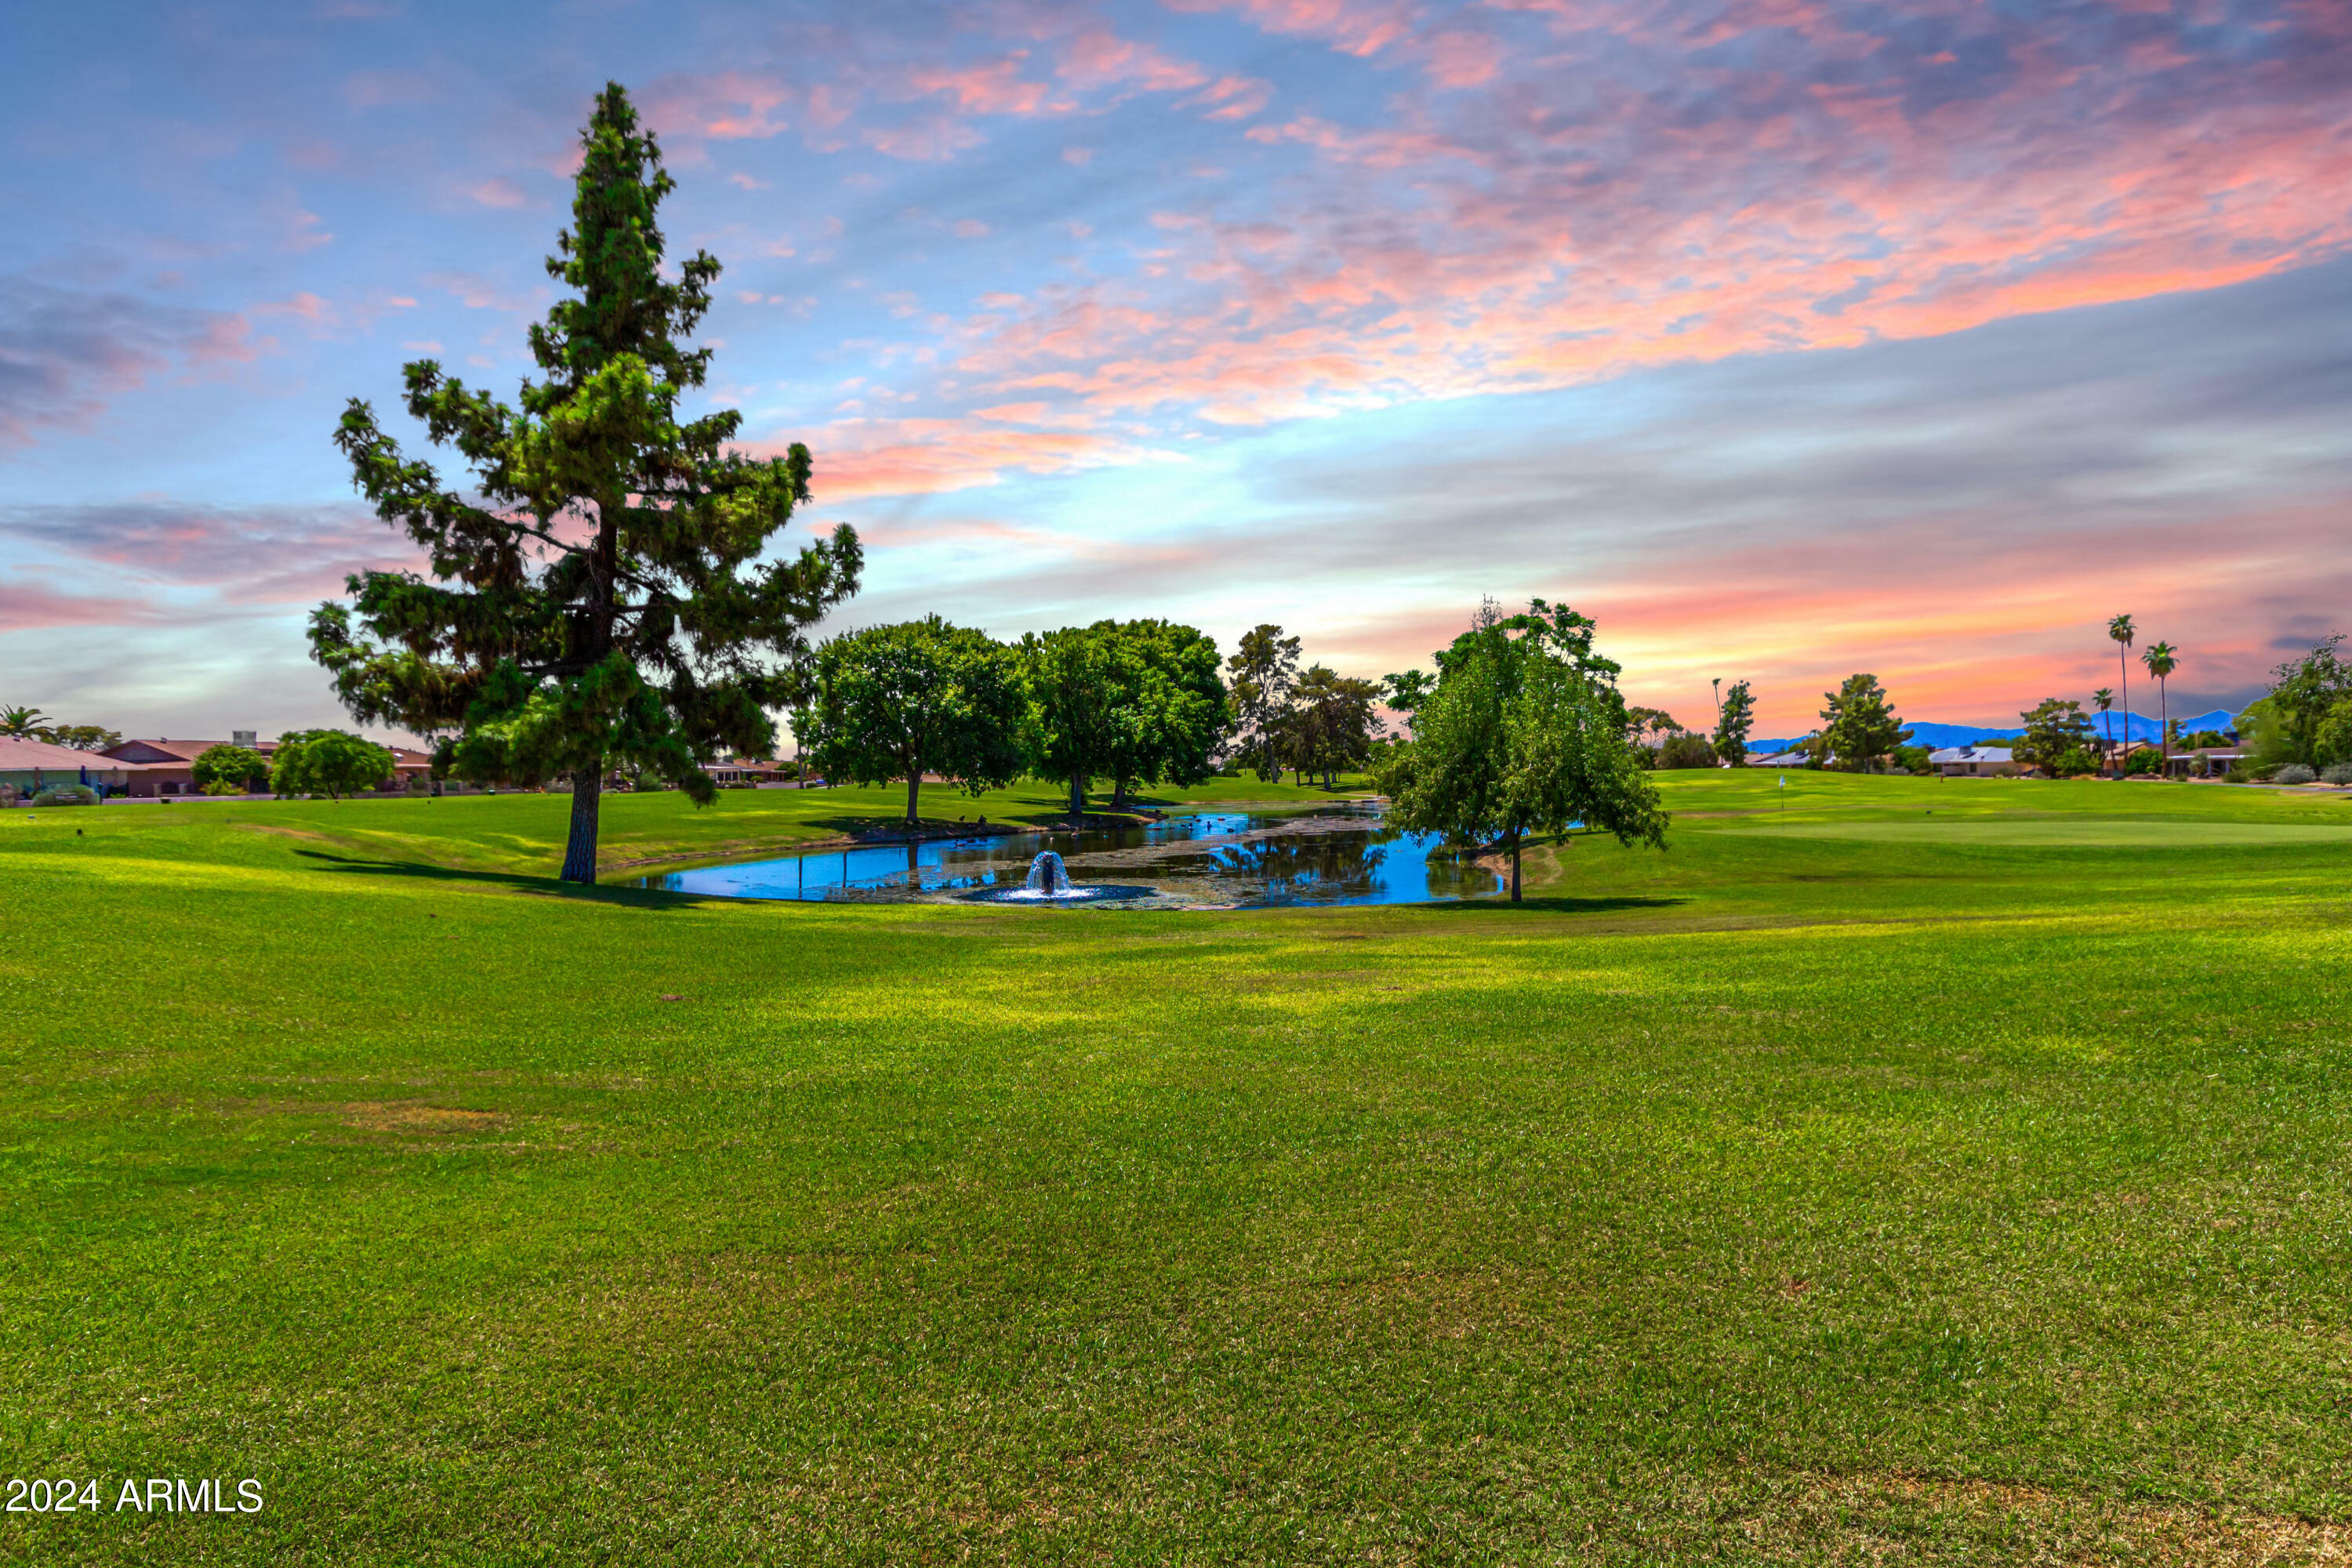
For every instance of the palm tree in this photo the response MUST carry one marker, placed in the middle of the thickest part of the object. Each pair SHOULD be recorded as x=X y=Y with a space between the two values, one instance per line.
x=2120 y=628
x=22 y=723
x=2104 y=698
x=2162 y=659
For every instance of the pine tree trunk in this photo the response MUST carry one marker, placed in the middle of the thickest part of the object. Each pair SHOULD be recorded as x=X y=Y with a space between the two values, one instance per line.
x=579 y=851
x=1515 y=864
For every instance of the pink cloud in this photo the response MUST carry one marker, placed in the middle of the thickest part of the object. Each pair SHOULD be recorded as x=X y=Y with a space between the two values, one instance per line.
x=1561 y=222
x=862 y=458
x=1232 y=97
x=499 y=193
x=1997 y=632
x=996 y=87
x=30 y=607
x=1361 y=27
x=1098 y=57
x=66 y=353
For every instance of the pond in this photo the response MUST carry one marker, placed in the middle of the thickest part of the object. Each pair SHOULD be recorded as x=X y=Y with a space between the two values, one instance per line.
x=1223 y=859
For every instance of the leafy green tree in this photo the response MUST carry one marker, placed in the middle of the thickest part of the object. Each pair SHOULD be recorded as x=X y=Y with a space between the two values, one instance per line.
x=605 y=599
x=1172 y=710
x=921 y=696
x=333 y=762
x=1648 y=726
x=1735 y=718
x=1859 y=724
x=2054 y=727
x=1913 y=759
x=1263 y=669
x=2307 y=717
x=82 y=737
x=230 y=770
x=1407 y=690
x=1524 y=733
x=2121 y=631
x=1071 y=684
x=23 y=723
x=1333 y=722
x=1685 y=749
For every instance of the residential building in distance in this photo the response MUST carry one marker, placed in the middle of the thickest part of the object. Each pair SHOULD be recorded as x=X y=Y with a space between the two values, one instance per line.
x=32 y=765
x=1974 y=762
x=163 y=768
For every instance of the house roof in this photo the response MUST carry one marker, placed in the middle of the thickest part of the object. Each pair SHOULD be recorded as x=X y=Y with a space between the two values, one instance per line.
x=23 y=756
x=1971 y=754
x=180 y=754
x=167 y=752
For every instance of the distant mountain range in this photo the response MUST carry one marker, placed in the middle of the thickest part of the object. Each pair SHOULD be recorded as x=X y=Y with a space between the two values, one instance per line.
x=2135 y=726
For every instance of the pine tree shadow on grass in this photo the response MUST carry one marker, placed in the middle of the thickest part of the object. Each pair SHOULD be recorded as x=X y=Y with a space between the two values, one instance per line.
x=542 y=886
x=1558 y=904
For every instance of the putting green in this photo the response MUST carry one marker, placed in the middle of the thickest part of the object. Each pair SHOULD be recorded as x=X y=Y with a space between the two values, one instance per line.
x=2058 y=833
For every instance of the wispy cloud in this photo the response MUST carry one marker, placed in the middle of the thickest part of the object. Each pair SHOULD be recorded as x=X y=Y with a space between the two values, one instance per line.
x=66 y=353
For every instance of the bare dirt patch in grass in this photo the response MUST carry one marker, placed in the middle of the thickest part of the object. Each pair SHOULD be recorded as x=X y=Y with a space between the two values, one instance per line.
x=1908 y=1519
x=407 y=1116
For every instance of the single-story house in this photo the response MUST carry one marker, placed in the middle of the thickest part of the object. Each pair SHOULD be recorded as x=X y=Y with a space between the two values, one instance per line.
x=2206 y=762
x=1780 y=759
x=1973 y=761
x=167 y=767
x=31 y=765
x=745 y=771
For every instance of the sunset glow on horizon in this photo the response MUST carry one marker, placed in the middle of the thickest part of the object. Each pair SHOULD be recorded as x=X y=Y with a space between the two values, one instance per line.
x=1787 y=338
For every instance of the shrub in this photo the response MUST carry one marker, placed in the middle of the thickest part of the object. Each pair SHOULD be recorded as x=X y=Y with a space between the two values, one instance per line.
x=333 y=762
x=2337 y=773
x=2074 y=763
x=231 y=770
x=2293 y=773
x=1687 y=751
x=67 y=795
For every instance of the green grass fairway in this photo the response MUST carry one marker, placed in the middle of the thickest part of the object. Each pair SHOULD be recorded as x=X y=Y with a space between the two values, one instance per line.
x=1880 y=1188
x=2072 y=831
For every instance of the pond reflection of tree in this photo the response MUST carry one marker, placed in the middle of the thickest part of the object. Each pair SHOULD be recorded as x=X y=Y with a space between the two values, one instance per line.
x=1321 y=866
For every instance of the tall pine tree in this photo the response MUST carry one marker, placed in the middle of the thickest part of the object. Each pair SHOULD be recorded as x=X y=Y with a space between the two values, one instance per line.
x=597 y=595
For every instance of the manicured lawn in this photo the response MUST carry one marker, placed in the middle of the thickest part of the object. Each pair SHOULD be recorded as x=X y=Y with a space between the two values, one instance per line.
x=525 y=833
x=1938 y=1188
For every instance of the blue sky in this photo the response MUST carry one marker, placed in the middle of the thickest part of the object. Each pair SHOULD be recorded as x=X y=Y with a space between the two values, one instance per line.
x=1787 y=339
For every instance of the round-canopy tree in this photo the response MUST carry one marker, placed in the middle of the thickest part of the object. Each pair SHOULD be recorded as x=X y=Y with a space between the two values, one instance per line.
x=1136 y=701
x=598 y=596
x=1524 y=733
x=333 y=762
x=923 y=696
x=230 y=770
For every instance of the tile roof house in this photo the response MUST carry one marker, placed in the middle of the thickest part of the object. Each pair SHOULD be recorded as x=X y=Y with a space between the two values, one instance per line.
x=1973 y=761
x=31 y=764
x=166 y=767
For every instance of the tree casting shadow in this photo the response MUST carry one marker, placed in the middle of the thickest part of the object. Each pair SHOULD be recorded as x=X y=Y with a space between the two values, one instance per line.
x=542 y=887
